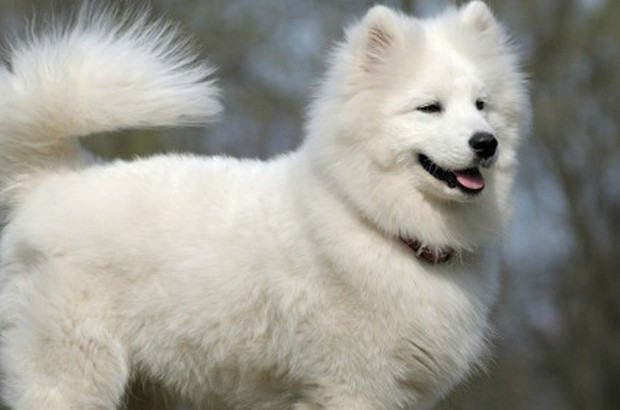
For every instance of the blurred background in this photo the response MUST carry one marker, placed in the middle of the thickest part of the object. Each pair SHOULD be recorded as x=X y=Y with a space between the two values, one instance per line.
x=558 y=317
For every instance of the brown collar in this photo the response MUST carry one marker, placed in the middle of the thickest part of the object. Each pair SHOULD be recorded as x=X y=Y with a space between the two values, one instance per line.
x=429 y=254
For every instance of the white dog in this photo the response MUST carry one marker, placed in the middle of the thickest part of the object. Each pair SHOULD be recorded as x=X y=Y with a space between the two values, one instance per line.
x=345 y=275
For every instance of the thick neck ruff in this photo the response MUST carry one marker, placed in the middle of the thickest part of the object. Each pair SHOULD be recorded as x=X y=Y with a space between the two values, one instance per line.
x=429 y=254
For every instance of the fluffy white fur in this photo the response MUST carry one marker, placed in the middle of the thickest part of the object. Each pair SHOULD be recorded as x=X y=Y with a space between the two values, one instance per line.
x=245 y=284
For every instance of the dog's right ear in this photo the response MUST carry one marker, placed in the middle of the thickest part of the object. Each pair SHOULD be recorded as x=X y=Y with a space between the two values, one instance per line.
x=378 y=34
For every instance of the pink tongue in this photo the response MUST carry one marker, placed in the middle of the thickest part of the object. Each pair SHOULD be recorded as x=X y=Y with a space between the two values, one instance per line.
x=469 y=180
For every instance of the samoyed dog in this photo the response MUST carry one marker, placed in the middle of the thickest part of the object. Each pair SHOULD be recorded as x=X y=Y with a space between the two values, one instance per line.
x=348 y=274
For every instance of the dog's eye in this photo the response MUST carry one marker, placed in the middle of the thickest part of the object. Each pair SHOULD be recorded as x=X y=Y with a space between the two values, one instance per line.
x=432 y=108
x=480 y=105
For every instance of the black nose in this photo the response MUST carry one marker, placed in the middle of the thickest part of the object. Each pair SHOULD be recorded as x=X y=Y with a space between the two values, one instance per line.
x=484 y=144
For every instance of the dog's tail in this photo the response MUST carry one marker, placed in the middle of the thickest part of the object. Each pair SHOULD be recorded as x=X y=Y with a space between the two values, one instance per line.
x=101 y=72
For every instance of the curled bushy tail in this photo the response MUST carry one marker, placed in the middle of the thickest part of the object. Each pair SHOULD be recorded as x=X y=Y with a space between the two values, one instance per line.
x=101 y=72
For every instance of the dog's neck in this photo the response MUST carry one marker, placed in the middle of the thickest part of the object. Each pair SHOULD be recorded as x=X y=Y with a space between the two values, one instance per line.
x=431 y=254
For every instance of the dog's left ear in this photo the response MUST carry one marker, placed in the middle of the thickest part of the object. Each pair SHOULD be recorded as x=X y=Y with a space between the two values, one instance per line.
x=477 y=16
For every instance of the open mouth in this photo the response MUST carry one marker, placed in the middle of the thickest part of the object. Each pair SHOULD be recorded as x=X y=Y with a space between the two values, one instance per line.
x=469 y=181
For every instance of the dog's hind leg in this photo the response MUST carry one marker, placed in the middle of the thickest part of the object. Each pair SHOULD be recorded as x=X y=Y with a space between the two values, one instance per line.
x=55 y=350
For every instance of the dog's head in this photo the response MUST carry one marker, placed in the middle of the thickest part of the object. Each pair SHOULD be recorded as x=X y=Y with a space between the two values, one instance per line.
x=417 y=122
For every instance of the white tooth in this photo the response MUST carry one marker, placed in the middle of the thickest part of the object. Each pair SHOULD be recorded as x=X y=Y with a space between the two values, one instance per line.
x=420 y=250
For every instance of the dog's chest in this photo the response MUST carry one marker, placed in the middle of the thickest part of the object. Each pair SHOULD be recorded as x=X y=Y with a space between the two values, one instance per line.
x=440 y=333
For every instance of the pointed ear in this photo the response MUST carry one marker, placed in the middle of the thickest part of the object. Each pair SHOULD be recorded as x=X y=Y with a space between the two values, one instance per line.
x=379 y=32
x=477 y=16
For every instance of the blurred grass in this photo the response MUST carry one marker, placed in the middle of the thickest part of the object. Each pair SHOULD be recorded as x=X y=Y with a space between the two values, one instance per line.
x=126 y=144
